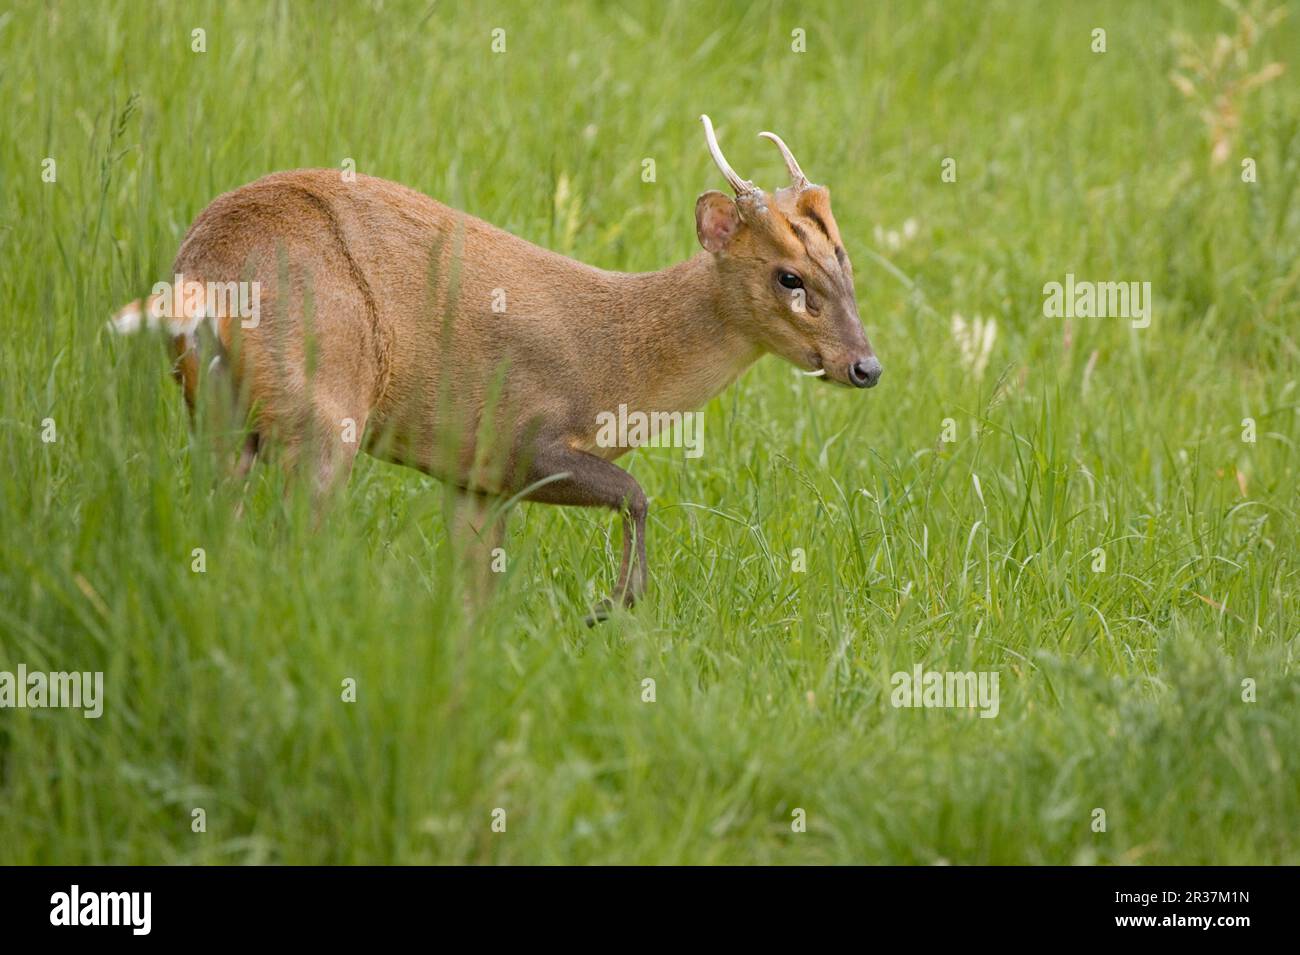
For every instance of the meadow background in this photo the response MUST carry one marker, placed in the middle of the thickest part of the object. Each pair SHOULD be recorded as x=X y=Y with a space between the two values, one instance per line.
x=1121 y=689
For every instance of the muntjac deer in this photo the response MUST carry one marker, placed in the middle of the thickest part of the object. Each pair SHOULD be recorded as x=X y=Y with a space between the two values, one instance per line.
x=456 y=348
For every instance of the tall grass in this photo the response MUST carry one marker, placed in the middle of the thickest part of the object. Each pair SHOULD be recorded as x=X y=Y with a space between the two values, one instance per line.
x=1122 y=688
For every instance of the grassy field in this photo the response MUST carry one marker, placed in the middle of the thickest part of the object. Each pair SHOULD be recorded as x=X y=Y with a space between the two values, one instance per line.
x=1097 y=530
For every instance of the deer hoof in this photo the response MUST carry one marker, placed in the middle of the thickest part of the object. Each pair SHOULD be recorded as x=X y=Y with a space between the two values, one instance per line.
x=599 y=613
x=602 y=611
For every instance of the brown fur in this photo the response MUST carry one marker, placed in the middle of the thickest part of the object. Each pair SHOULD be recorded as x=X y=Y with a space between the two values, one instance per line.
x=376 y=306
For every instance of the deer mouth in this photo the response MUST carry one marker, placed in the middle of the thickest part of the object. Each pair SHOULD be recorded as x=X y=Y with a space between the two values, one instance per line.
x=819 y=371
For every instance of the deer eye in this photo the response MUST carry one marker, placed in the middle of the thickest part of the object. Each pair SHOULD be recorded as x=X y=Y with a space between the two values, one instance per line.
x=789 y=280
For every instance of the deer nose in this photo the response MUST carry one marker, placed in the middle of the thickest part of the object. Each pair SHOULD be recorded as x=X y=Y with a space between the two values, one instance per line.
x=865 y=372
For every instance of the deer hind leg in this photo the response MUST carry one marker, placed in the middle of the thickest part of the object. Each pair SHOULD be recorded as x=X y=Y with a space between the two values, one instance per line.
x=228 y=410
x=185 y=369
x=319 y=448
x=218 y=383
x=335 y=440
x=248 y=456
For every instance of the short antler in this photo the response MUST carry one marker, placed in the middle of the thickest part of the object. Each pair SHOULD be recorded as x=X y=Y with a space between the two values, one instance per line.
x=799 y=180
x=741 y=186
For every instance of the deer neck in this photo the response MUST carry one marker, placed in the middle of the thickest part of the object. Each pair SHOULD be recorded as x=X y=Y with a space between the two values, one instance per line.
x=678 y=348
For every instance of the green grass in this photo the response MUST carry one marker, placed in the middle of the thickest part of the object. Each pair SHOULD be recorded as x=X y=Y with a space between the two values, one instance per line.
x=1120 y=689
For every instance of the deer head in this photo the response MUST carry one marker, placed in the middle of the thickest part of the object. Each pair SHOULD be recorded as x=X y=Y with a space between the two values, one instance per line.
x=786 y=279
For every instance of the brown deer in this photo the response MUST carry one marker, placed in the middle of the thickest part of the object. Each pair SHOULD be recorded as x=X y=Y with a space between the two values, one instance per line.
x=453 y=347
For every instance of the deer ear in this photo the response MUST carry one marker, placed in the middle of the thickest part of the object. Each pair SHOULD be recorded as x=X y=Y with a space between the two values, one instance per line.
x=717 y=220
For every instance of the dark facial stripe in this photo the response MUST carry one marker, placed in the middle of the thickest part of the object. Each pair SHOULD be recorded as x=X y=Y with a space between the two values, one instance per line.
x=813 y=214
x=799 y=232
x=842 y=280
x=835 y=280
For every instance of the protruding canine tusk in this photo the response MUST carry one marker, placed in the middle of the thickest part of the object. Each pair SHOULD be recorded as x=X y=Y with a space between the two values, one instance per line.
x=792 y=164
x=740 y=186
x=814 y=374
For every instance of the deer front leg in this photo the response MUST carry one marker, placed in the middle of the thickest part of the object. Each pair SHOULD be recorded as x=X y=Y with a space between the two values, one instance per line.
x=476 y=537
x=585 y=480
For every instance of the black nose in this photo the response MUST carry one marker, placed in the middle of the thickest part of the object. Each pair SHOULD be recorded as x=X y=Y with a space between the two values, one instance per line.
x=865 y=372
